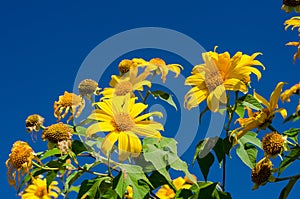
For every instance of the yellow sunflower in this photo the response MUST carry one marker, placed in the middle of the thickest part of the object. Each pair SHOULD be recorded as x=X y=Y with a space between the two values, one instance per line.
x=159 y=66
x=263 y=118
x=38 y=190
x=19 y=161
x=290 y=5
x=68 y=102
x=219 y=73
x=286 y=95
x=294 y=22
x=121 y=85
x=120 y=116
x=165 y=192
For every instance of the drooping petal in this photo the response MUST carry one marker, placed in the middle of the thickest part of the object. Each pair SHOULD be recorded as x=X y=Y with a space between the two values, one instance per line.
x=147 y=115
x=262 y=100
x=282 y=112
x=275 y=95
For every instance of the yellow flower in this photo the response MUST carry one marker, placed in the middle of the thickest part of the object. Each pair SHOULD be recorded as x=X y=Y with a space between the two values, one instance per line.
x=129 y=194
x=34 y=122
x=88 y=87
x=19 y=161
x=295 y=89
x=59 y=134
x=273 y=143
x=290 y=5
x=165 y=192
x=160 y=67
x=126 y=64
x=219 y=73
x=120 y=116
x=38 y=190
x=263 y=118
x=127 y=84
x=261 y=173
x=66 y=102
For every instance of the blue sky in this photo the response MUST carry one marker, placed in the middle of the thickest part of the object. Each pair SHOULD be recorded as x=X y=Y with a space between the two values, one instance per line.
x=44 y=43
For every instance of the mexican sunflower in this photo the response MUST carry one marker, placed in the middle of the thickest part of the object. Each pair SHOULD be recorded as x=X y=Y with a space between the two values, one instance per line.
x=38 y=190
x=262 y=118
x=294 y=22
x=165 y=192
x=220 y=72
x=159 y=66
x=121 y=117
x=290 y=5
x=122 y=85
x=19 y=161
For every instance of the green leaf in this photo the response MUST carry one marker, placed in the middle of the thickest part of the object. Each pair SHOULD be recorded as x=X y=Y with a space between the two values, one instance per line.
x=220 y=151
x=247 y=155
x=132 y=175
x=78 y=147
x=85 y=186
x=286 y=190
x=240 y=110
x=157 y=179
x=289 y=159
x=51 y=175
x=205 y=163
x=249 y=101
x=163 y=96
x=250 y=137
x=71 y=179
x=292 y=134
x=48 y=153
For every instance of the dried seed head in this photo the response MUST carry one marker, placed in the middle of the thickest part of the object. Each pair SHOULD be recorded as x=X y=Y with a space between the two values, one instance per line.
x=273 y=143
x=57 y=132
x=261 y=172
x=123 y=87
x=87 y=87
x=125 y=65
x=291 y=3
x=34 y=122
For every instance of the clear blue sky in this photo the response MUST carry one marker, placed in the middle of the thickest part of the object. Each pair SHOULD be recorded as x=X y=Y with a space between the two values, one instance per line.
x=43 y=43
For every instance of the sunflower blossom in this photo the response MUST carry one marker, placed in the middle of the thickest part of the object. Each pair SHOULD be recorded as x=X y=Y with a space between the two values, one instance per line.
x=165 y=192
x=159 y=66
x=219 y=73
x=262 y=118
x=120 y=116
x=290 y=5
x=88 y=87
x=19 y=161
x=38 y=190
x=294 y=22
x=34 y=123
x=294 y=90
x=262 y=172
x=122 y=85
x=68 y=102
x=59 y=134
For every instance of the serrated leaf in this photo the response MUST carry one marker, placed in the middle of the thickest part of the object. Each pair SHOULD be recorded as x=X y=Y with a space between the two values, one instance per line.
x=289 y=159
x=51 y=175
x=250 y=137
x=163 y=96
x=205 y=163
x=286 y=190
x=247 y=156
x=78 y=147
x=49 y=153
x=249 y=101
x=132 y=175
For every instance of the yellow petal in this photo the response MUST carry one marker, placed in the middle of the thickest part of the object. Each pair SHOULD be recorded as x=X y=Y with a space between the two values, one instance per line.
x=145 y=116
x=261 y=99
x=136 y=109
x=275 y=95
x=108 y=142
x=282 y=112
x=123 y=146
x=99 y=127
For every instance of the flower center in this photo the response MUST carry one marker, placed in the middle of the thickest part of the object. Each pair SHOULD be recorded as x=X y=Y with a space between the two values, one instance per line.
x=123 y=88
x=125 y=65
x=41 y=191
x=213 y=80
x=292 y=3
x=123 y=122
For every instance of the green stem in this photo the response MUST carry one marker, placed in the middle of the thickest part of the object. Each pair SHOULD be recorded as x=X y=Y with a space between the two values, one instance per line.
x=287 y=178
x=45 y=168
